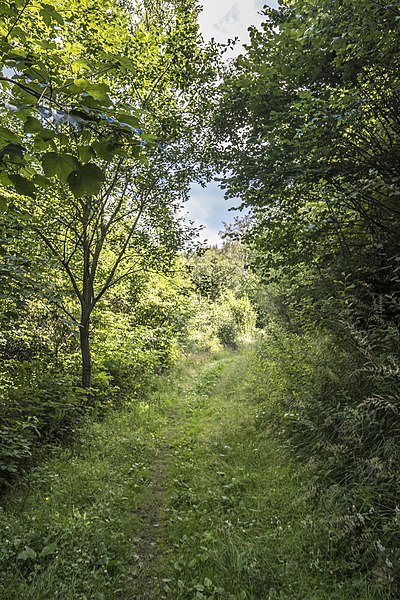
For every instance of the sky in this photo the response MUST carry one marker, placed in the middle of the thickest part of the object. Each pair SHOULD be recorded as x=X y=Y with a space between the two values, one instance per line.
x=221 y=19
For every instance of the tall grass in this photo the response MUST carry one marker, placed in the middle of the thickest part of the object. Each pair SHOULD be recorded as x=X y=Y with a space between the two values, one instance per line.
x=338 y=403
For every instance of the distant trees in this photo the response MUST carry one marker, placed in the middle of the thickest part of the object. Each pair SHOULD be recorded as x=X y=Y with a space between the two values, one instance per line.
x=226 y=304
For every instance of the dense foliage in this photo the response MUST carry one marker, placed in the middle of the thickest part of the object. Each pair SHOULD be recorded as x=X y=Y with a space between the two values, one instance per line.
x=309 y=123
x=108 y=112
x=98 y=147
x=225 y=310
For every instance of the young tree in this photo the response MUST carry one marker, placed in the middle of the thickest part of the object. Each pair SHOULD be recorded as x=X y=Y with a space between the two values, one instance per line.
x=97 y=147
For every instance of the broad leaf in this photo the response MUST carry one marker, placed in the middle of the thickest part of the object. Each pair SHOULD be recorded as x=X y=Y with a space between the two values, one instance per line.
x=8 y=136
x=50 y=549
x=32 y=125
x=59 y=164
x=104 y=150
x=86 y=180
x=23 y=186
x=26 y=554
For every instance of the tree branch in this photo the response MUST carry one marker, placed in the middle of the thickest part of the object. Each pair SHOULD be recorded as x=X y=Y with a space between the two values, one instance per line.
x=64 y=264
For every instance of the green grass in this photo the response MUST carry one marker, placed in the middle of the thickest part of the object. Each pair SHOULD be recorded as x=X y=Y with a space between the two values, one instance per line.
x=237 y=522
x=179 y=497
x=81 y=506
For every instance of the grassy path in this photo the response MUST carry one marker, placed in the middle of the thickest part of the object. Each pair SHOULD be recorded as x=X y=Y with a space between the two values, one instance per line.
x=179 y=498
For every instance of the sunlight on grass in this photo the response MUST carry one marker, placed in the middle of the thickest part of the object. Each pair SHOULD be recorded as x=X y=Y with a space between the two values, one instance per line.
x=178 y=497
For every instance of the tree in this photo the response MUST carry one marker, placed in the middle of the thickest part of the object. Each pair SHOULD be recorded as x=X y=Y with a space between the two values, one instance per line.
x=100 y=239
x=95 y=147
x=309 y=124
x=309 y=139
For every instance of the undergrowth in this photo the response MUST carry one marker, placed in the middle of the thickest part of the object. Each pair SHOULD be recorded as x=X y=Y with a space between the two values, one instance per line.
x=337 y=406
x=181 y=496
x=69 y=530
x=241 y=520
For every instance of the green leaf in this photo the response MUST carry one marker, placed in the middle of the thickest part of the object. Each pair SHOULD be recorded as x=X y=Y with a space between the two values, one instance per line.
x=4 y=178
x=80 y=64
x=23 y=186
x=49 y=14
x=47 y=134
x=86 y=153
x=86 y=180
x=148 y=137
x=98 y=91
x=32 y=125
x=8 y=136
x=46 y=16
x=59 y=164
x=3 y=204
x=12 y=149
x=26 y=554
x=41 y=181
x=50 y=549
x=129 y=119
x=104 y=150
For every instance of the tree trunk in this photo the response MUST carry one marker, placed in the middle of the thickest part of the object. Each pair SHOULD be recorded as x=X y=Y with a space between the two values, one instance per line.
x=85 y=352
x=86 y=305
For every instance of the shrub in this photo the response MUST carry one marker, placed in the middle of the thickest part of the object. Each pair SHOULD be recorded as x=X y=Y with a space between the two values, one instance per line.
x=228 y=322
x=38 y=403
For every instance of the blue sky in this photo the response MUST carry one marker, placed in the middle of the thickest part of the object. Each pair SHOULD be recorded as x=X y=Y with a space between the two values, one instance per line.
x=221 y=19
x=208 y=207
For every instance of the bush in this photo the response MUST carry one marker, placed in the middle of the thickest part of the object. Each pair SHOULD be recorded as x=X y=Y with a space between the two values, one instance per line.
x=229 y=322
x=38 y=403
x=125 y=360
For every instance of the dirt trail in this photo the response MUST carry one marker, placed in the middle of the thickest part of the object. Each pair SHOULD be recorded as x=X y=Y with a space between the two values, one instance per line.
x=150 y=514
x=147 y=582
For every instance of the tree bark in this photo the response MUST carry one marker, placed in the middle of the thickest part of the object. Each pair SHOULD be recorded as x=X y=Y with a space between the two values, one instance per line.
x=86 y=303
x=85 y=351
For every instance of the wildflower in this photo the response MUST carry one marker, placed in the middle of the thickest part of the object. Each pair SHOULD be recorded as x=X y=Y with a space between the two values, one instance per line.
x=389 y=563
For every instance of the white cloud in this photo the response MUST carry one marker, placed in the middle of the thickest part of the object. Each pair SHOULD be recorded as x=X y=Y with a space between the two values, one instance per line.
x=232 y=16
x=222 y=19
x=208 y=207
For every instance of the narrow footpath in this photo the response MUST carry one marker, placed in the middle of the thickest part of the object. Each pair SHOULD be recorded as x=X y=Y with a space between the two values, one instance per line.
x=179 y=497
